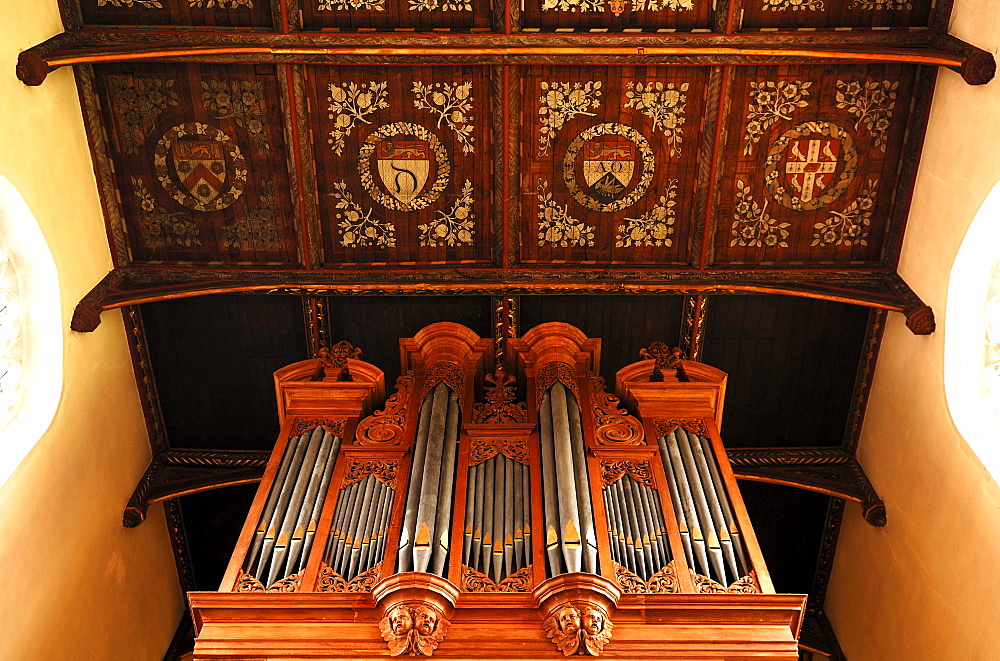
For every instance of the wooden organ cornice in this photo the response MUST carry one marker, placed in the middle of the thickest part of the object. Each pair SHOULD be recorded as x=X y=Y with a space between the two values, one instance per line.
x=627 y=605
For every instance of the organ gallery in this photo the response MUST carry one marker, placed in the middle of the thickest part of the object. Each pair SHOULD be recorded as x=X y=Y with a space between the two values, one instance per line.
x=500 y=501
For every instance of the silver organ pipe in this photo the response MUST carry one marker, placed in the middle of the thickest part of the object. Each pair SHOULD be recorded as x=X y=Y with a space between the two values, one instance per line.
x=360 y=527
x=425 y=536
x=497 y=519
x=287 y=526
x=570 y=539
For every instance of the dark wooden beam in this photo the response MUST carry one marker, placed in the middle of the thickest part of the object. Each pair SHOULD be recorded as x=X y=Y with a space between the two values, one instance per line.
x=92 y=46
x=832 y=471
x=877 y=288
x=174 y=473
x=819 y=637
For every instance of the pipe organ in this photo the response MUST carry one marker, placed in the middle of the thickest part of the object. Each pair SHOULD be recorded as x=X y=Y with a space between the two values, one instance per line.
x=509 y=508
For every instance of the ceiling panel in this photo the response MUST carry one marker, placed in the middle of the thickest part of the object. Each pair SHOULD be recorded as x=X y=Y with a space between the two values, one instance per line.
x=396 y=14
x=616 y=15
x=228 y=13
x=797 y=14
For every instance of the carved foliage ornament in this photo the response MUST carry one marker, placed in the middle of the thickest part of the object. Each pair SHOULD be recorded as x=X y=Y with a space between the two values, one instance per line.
x=693 y=425
x=745 y=585
x=579 y=628
x=487 y=448
x=556 y=371
x=612 y=471
x=248 y=583
x=331 y=581
x=414 y=629
x=662 y=582
x=359 y=469
x=474 y=581
x=335 y=359
x=614 y=425
x=385 y=427
x=500 y=403
x=333 y=425
x=450 y=373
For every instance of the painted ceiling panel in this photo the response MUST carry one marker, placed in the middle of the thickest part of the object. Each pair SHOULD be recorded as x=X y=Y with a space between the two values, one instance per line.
x=617 y=15
x=228 y=13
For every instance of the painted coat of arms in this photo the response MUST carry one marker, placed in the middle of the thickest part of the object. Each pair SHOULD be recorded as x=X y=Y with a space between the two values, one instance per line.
x=200 y=166
x=404 y=166
x=608 y=167
x=810 y=165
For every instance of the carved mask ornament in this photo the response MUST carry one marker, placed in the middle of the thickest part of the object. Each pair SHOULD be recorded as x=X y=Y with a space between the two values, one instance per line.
x=414 y=629
x=580 y=628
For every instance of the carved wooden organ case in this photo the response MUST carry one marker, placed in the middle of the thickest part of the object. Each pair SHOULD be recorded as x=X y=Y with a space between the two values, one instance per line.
x=489 y=509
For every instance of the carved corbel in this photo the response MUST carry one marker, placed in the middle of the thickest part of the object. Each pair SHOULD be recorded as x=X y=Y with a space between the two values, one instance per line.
x=576 y=612
x=416 y=610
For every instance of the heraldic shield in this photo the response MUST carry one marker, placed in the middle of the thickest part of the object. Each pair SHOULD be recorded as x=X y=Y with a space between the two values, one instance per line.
x=810 y=165
x=404 y=166
x=608 y=167
x=200 y=166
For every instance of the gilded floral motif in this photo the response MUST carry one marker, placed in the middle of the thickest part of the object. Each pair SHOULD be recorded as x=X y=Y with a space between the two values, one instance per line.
x=769 y=102
x=752 y=225
x=556 y=227
x=850 y=226
x=561 y=101
x=664 y=104
x=243 y=102
x=453 y=227
x=573 y=5
x=357 y=226
x=161 y=228
x=221 y=4
x=794 y=5
x=346 y=5
x=872 y=102
x=881 y=5
x=661 y=5
x=148 y=4
x=452 y=104
x=653 y=228
x=443 y=5
x=258 y=230
x=139 y=103
x=351 y=103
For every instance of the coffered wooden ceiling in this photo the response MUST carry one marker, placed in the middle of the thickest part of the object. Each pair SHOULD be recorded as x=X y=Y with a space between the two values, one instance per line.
x=349 y=153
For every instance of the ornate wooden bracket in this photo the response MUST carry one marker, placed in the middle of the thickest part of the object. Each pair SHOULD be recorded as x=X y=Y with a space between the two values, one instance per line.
x=174 y=473
x=95 y=46
x=876 y=288
x=818 y=636
x=827 y=470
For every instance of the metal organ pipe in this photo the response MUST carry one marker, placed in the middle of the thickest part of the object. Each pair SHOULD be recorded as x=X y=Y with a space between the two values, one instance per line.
x=498 y=518
x=425 y=538
x=287 y=525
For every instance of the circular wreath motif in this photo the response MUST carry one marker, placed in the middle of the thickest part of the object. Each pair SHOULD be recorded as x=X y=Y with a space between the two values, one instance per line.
x=611 y=128
x=233 y=153
x=440 y=158
x=772 y=177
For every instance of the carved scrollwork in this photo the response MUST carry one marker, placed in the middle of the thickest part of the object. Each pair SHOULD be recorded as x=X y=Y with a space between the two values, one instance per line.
x=487 y=448
x=414 y=629
x=579 y=628
x=385 y=427
x=359 y=469
x=450 y=373
x=500 y=403
x=614 y=425
x=693 y=425
x=331 y=581
x=333 y=425
x=247 y=583
x=745 y=585
x=612 y=471
x=474 y=581
x=556 y=371
x=662 y=582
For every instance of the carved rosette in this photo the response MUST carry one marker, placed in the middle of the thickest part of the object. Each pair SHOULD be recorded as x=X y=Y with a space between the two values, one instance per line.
x=614 y=425
x=247 y=583
x=612 y=471
x=333 y=425
x=693 y=425
x=486 y=448
x=385 y=427
x=474 y=581
x=662 y=582
x=745 y=585
x=449 y=373
x=359 y=469
x=556 y=371
x=331 y=581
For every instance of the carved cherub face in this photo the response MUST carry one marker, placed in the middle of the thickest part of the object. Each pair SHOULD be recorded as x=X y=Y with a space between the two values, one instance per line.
x=400 y=620
x=568 y=619
x=426 y=621
x=593 y=621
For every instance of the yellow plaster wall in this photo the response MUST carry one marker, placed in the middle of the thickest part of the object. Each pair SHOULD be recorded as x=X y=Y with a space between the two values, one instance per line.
x=926 y=586
x=75 y=584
